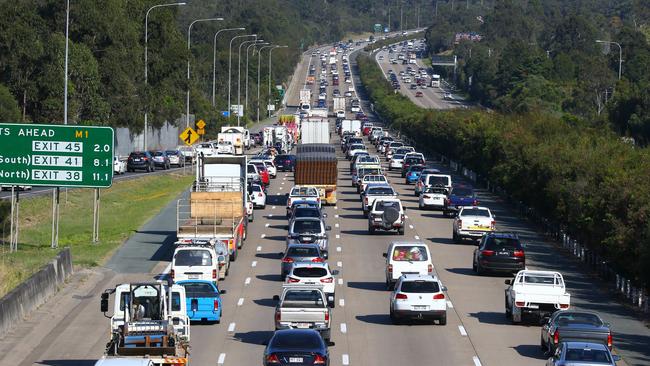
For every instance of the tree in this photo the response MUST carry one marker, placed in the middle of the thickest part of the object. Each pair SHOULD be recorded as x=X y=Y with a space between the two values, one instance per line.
x=9 y=111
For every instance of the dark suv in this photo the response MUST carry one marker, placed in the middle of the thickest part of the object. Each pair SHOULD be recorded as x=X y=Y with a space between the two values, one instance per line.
x=140 y=160
x=499 y=252
x=285 y=162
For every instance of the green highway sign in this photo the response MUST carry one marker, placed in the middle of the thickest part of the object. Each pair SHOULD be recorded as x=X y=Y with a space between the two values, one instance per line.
x=56 y=155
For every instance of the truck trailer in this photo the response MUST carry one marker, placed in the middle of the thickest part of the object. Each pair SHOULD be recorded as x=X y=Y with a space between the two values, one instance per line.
x=316 y=165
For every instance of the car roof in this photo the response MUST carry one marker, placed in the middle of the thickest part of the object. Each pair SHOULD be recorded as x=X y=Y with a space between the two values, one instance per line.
x=408 y=243
x=308 y=219
x=503 y=234
x=584 y=345
x=297 y=245
x=310 y=265
x=418 y=277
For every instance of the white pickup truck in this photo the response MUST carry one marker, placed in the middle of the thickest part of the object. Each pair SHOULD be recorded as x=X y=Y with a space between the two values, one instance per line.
x=374 y=192
x=303 y=307
x=537 y=293
x=472 y=222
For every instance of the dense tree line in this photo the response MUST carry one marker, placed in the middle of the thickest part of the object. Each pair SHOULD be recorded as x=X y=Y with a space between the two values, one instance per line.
x=587 y=179
x=542 y=56
x=106 y=67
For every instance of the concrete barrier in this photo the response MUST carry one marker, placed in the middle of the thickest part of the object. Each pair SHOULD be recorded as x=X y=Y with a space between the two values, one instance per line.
x=32 y=293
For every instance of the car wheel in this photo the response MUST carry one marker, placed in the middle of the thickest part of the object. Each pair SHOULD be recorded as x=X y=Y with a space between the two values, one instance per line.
x=390 y=169
x=371 y=230
x=443 y=319
x=454 y=238
x=420 y=206
x=479 y=269
x=473 y=266
x=400 y=231
x=233 y=257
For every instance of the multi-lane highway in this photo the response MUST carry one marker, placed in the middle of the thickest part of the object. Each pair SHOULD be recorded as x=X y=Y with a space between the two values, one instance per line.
x=70 y=330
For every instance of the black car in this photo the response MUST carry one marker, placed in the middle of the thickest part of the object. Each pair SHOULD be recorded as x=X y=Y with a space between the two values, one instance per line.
x=296 y=347
x=499 y=252
x=574 y=326
x=285 y=162
x=140 y=160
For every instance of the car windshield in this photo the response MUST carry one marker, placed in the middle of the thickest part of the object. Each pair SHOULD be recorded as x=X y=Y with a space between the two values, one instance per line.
x=306 y=226
x=251 y=169
x=137 y=155
x=420 y=287
x=303 y=299
x=157 y=153
x=398 y=156
x=193 y=257
x=541 y=279
x=587 y=355
x=172 y=152
x=365 y=171
x=416 y=168
x=436 y=190
x=495 y=243
x=304 y=341
x=304 y=191
x=256 y=188
x=310 y=272
x=410 y=253
x=310 y=251
x=462 y=192
x=357 y=147
x=306 y=212
x=381 y=191
x=482 y=212
x=566 y=318
x=198 y=289
x=433 y=180
x=206 y=146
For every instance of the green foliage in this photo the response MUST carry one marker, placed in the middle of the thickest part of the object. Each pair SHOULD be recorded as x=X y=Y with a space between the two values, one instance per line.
x=9 y=111
x=585 y=177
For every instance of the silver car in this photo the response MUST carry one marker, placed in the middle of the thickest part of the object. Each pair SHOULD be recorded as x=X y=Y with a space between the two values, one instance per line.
x=582 y=354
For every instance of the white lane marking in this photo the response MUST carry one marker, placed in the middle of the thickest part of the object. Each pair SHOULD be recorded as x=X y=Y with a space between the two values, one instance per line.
x=254 y=264
x=462 y=330
x=341 y=302
x=340 y=281
x=267 y=225
x=406 y=216
x=477 y=362
x=240 y=302
x=336 y=207
x=263 y=236
x=345 y=359
x=336 y=225
x=417 y=237
x=410 y=226
x=231 y=327
x=247 y=281
x=339 y=264
x=337 y=216
x=270 y=215
x=222 y=359
x=450 y=305
x=284 y=178
x=282 y=183
x=259 y=249
x=273 y=208
x=338 y=249
x=344 y=328
x=281 y=187
x=338 y=236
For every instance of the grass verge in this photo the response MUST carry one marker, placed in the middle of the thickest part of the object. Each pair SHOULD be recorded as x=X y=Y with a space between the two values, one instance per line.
x=124 y=207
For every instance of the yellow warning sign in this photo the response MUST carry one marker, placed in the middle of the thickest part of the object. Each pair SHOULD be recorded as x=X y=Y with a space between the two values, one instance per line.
x=200 y=131
x=200 y=124
x=189 y=136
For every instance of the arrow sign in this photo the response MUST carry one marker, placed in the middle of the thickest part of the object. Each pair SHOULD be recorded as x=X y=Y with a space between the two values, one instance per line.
x=189 y=136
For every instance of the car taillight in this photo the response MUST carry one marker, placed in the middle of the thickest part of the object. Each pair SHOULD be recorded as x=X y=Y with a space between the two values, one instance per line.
x=287 y=260
x=216 y=305
x=438 y=296
x=365 y=200
x=259 y=195
x=487 y=253
x=292 y=280
x=327 y=280
x=493 y=225
x=327 y=316
x=171 y=274
x=475 y=203
x=272 y=358
x=214 y=274
x=564 y=306
x=317 y=260
x=460 y=224
x=278 y=316
x=556 y=337
x=390 y=268
x=519 y=304
x=518 y=253
x=319 y=360
x=430 y=268
x=145 y=159
x=609 y=340
x=401 y=297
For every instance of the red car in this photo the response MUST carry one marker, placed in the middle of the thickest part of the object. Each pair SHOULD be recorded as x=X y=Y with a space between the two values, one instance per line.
x=418 y=94
x=366 y=130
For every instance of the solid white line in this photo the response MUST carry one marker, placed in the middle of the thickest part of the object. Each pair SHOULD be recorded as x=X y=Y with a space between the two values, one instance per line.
x=340 y=281
x=281 y=187
x=259 y=249
x=222 y=359
x=247 y=281
x=477 y=362
x=338 y=236
x=339 y=264
x=345 y=359
x=240 y=302
x=263 y=236
x=344 y=328
x=267 y=225
x=417 y=237
x=254 y=264
x=410 y=226
x=341 y=302
x=462 y=330
x=450 y=305
x=338 y=249
x=231 y=327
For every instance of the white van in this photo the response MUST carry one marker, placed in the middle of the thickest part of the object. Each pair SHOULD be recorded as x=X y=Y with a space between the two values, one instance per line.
x=406 y=257
x=194 y=262
x=439 y=179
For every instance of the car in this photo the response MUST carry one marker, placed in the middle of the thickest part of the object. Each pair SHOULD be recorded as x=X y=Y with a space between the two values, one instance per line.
x=406 y=257
x=119 y=166
x=308 y=230
x=396 y=162
x=194 y=261
x=302 y=193
x=412 y=174
x=340 y=114
x=448 y=96
x=433 y=198
x=582 y=354
x=285 y=163
x=411 y=159
x=258 y=196
x=268 y=164
x=300 y=253
x=296 y=347
x=160 y=159
x=203 y=300
x=574 y=325
x=175 y=158
x=419 y=94
x=140 y=160
x=460 y=196
x=373 y=192
x=499 y=252
x=418 y=297
x=263 y=172
x=386 y=214
x=354 y=149
x=187 y=152
x=309 y=273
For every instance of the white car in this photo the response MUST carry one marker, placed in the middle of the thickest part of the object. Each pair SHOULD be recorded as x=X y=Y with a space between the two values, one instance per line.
x=396 y=162
x=119 y=166
x=303 y=193
x=406 y=257
x=340 y=114
x=538 y=293
x=418 y=297
x=270 y=166
x=348 y=94
x=258 y=197
x=472 y=222
x=194 y=262
x=354 y=149
x=308 y=273
x=250 y=209
x=371 y=179
x=225 y=148
x=433 y=198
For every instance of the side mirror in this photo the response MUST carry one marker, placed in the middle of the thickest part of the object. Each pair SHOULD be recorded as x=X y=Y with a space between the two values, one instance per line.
x=508 y=282
x=332 y=344
x=444 y=288
x=328 y=228
x=384 y=255
x=104 y=303
x=222 y=292
x=616 y=358
x=286 y=194
x=276 y=298
x=325 y=255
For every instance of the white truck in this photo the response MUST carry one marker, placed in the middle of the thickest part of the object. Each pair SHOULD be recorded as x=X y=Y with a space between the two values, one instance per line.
x=301 y=307
x=305 y=96
x=339 y=105
x=149 y=323
x=267 y=136
x=238 y=129
x=315 y=131
x=238 y=137
x=332 y=60
x=472 y=222
x=318 y=112
x=351 y=125
x=537 y=293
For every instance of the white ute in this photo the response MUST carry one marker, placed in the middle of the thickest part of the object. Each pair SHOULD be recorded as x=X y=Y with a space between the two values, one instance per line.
x=538 y=293
x=472 y=222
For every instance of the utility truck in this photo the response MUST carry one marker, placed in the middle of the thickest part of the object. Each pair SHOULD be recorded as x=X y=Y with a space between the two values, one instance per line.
x=239 y=137
x=537 y=293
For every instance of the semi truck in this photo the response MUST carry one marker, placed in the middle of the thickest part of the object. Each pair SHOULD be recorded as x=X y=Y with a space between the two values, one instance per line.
x=316 y=167
x=149 y=323
x=314 y=131
x=239 y=137
x=216 y=208
x=339 y=105
x=305 y=96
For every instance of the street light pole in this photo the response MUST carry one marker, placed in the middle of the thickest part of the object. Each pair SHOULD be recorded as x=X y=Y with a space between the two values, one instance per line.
x=258 y=43
x=620 y=55
x=189 y=34
x=146 y=65
x=230 y=69
x=214 y=61
x=65 y=85
x=270 y=74
x=239 y=78
x=259 y=59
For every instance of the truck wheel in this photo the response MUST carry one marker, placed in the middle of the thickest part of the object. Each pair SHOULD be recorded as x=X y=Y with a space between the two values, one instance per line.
x=400 y=231
x=454 y=238
x=443 y=319
x=479 y=269
x=508 y=312
x=473 y=266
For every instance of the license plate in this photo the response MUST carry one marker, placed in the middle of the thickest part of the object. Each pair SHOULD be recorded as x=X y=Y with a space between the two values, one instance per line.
x=295 y=359
x=303 y=325
x=307 y=238
x=378 y=219
x=193 y=277
x=533 y=306
x=504 y=253
x=136 y=159
x=420 y=307
x=477 y=227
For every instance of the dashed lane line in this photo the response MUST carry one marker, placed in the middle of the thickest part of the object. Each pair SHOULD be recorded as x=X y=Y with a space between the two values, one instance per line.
x=267 y=225
x=340 y=281
x=338 y=236
x=240 y=302
x=263 y=236
x=259 y=248
x=336 y=225
x=410 y=226
x=339 y=264
x=231 y=327
x=338 y=249
x=341 y=302
x=476 y=360
x=247 y=281
x=254 y=264
x=344 y=328
x=222 y=359
x=462 y=330
x=345 y=359
x=450 y=305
